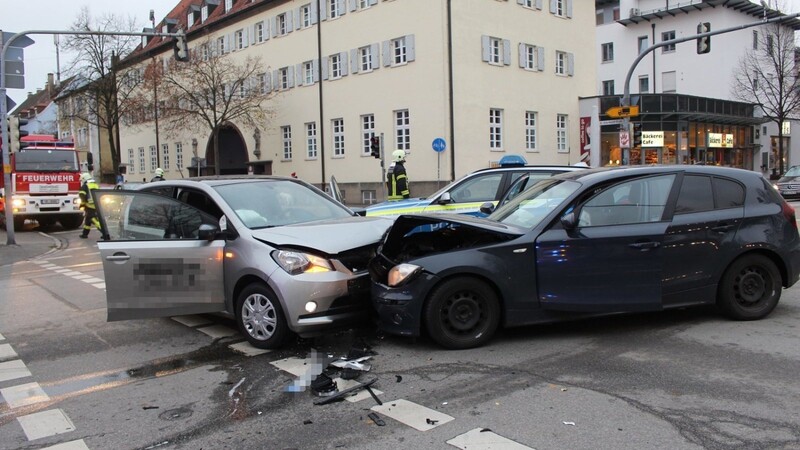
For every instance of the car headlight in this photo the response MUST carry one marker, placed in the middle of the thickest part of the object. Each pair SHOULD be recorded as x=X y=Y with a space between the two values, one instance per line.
x=17 y=202
x=402 y=273
x=294 y=262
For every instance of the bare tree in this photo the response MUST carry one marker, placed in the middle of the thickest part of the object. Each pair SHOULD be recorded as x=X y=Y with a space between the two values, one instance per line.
x=106 y=96
x=767 y=76
x=211 y=91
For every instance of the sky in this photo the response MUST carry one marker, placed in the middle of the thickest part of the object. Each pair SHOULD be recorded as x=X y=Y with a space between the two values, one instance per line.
x=40 y=58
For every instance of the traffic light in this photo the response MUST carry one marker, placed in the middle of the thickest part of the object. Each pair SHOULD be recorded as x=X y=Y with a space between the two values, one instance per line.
x=14 y=132
x=375 y=147
x=180 y=47
x=703 y=43
x=637 y=134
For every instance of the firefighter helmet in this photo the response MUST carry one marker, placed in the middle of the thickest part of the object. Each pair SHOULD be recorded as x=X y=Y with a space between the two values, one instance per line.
x=159 y=172
x=85 y=176
x=398 y=155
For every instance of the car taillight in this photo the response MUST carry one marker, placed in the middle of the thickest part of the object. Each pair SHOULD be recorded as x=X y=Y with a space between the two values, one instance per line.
x=788 y=212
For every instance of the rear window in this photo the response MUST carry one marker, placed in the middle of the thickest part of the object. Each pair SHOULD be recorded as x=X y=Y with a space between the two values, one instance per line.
x=696 y=195
x=728 y=193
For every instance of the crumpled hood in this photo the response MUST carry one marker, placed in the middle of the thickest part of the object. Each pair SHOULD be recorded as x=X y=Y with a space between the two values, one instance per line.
x=397 y=207
x=792 y=180
x=330 y=236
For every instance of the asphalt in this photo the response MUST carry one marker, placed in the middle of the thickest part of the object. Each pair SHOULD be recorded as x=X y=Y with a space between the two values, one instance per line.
x=27 y=244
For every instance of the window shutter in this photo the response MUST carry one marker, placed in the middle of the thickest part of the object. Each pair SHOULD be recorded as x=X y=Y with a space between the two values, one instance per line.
x=246 y=37
x=325 y=67
x=252 y=33
x=387 y=53
x=553 y=6
x=315 y=70
x=569 y=8
x=298 y=19
x=520 y=2
x=273 y=25
x=265 y=31
x=323 y=11
x=373 y=2
x=506 y=52
x=289 y=22
x=538 y=4
x=570 y=64
x=375 y=53
x=354 y=60
x=276 y=79
x=290 y=76
x=343 y=57
x=228 y=39
x=485 y=48
x=314 y=18
x=411 y=51
x=342 y=7
x=353 y=5
x=522 y=59
x=540 y=58
x=299 y=76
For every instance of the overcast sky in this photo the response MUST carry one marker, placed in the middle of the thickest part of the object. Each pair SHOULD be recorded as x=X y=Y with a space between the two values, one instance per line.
x=40 y=58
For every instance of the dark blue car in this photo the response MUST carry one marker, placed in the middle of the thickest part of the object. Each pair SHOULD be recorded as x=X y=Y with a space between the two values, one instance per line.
x=589 y=243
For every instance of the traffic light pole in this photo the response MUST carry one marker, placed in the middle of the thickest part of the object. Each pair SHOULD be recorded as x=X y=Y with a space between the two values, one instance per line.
x=10 y=237
x=626 y=95
x=383 y=169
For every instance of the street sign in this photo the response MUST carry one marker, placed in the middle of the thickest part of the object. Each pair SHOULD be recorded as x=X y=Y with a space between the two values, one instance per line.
x=623 y=111
x=624 y=139
x=14 y=57
x=439 y=145
x=611 y=122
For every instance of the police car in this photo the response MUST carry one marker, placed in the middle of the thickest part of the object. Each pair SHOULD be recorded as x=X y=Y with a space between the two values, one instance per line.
x=466 y=195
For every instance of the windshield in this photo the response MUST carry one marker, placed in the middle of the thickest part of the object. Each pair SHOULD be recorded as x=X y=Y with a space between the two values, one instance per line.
x=273 y=203
x=793 y=171
x=40 y=160
x=532 y=205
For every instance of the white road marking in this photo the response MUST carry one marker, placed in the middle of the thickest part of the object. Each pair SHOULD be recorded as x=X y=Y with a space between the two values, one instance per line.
x=293 y=365
x=218 y=331
x=485 y=440
x=81 y=277
x=24 y=394
x=100 y=285
x=72 y=273
x=343 y=384
x=191 y=320
x=91 y=254
x=6 y=352
x=411 y=414
x=63 y=270
x=72 y=445
x=93 y=280
x=2 y=338
x=248 y=350
x=45 y=423
x=49 y=266
x=54 y=258
x=11 y=370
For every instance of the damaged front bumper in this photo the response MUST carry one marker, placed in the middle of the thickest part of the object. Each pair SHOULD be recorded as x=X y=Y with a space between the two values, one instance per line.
x=399 y=309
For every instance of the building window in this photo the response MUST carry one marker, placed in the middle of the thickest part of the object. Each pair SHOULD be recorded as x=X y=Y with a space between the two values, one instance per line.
x=179 y=155
x=530 y=131
x=368 y=197
x=311 y=140
x=239 y=36
x=337 y=126
x=402 y=130
x=141 y=160
x=204 y=53
x=283 y=77
x=259 y=32
x=530 y=57
x=336 y=66
x=562 y=143
x=755 y=80
x=153 y=158
x=527 y=3
x=364 y=4
x=668 y=36
x=643 y=44
x=561 y=63
x=286 y=134
x=496 y=129
x=263 y=83
x=608 y=87
x=228 y=5
x=367 y=132
x=305 y=16
x=165 y=156
x=669 y=82
x=221 y=45
x=365 y=56
x=333 y=9
x=190 y=19
x=204 y=14
x=399 y=51
x=131 y=158
x=561 y=9
x=281 y=24
x=308 y=73
x=608 y=52
x=495 y=51
x=644 y=84
x=770 y=44
x=755 y=40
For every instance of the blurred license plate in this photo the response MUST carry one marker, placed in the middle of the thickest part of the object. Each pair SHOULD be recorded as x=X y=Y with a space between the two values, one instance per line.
x=789 y=192
x=50 y=201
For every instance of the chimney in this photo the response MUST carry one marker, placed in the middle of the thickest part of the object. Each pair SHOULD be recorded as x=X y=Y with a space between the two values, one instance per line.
x=50 y=84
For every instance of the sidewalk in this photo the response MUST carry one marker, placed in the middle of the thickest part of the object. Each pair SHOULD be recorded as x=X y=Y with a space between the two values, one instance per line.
x=29 y=244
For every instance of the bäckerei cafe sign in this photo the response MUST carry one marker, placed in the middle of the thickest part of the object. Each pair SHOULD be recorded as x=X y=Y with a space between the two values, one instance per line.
x=720 y=140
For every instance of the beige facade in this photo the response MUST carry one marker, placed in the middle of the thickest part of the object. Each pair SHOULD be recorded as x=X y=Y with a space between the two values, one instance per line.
x=498 y=106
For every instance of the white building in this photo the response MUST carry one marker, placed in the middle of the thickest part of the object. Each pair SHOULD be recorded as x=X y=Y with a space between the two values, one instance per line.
x=694 y=91
x=488 y=77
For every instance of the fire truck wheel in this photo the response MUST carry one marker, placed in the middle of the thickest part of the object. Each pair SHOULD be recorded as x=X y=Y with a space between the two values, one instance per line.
x=19 y=222
x=71 y=222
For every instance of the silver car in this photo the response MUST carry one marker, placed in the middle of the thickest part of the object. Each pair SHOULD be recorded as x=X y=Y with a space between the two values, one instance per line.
x=276 y=253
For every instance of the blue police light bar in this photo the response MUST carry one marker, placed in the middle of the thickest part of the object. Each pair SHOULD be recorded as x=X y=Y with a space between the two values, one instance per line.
x=512 y=161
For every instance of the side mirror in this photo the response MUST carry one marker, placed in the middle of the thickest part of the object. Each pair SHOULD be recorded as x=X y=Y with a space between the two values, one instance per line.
x=487 y=208
x=360 y=211
x=445 y=199
x=569 y=221
x=208 y=232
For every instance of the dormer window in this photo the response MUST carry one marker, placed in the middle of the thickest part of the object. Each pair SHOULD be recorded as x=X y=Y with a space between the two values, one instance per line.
x=146 y=39
x=228 y=5
x=208 y=8
x=169 y=26
x=204 y=14
x=192 y=15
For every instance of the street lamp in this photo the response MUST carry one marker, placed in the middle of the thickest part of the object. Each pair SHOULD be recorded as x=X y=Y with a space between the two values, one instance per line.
x=194 y=154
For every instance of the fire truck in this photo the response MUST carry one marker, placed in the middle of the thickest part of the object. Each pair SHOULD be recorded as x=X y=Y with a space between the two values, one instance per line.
x=45 y=180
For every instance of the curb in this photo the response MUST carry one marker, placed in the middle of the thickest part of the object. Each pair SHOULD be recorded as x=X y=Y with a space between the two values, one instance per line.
x=57 y=242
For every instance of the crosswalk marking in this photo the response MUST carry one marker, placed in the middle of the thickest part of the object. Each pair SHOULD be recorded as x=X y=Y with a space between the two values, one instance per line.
x=71 y=445
x=45 y=423
x=485 y=439
x=24 y=394
x=191 y=320
x=416 y=416
x=247 y=349
x=6 y=352
x=11 y=370
x=218 y=331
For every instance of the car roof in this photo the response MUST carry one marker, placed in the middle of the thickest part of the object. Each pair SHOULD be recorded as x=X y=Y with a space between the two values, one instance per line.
x=608 y=173
x=531 y=168
x=218 y=180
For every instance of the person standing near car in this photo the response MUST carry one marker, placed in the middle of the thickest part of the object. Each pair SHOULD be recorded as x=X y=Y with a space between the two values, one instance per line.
x=159 y=175
x=396 y=178
x=87 y=205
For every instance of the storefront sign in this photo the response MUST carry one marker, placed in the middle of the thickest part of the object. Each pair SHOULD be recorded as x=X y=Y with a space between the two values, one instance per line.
x=720 y=140
x=652 y=138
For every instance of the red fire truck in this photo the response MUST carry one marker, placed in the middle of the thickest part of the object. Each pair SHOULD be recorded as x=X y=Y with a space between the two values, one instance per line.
x=45 y=179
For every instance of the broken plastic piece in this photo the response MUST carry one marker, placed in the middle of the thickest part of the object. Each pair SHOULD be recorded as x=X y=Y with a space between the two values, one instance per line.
x=307 y=422
x=341 y=394
x=431 y=421
x=569 y=423
x=376 y=418
x=399 y=378
x=324 y=386
x=355 y=364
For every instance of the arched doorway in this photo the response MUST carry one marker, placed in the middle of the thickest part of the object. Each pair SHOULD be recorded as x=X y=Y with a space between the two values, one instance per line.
x=233 y=153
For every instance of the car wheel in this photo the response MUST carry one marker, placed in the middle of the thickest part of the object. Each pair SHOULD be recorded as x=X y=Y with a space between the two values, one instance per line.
x=462 y=313
x=260 y=317
x=750 y=288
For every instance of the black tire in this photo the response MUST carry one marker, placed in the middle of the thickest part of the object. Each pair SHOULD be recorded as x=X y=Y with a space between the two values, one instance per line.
x=19 y=223
x=260 y=317
x=462 y=313
x=71 y=221
x=750 y=288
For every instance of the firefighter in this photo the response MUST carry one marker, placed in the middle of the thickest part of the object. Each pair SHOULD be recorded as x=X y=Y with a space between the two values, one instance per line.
x=159 y=175
x=87 y=205
x=396 y=179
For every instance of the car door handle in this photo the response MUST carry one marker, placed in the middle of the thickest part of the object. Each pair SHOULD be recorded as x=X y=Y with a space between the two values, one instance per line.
x=644 y=245
x=722 y=228
x=122 y=257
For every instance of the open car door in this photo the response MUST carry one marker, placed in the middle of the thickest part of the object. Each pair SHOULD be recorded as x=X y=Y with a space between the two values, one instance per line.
x=160 y=257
